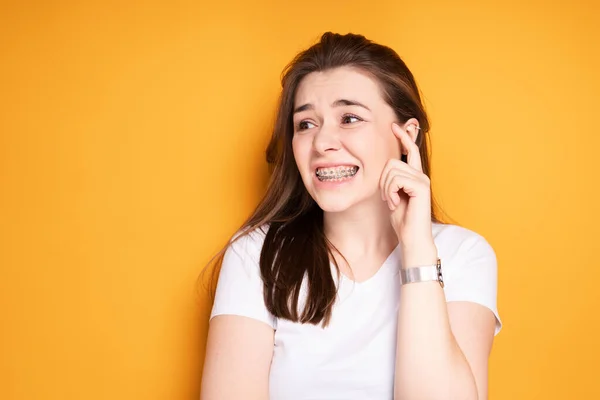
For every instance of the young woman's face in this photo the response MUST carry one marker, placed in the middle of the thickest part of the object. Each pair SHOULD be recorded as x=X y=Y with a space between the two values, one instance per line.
x=342 y=137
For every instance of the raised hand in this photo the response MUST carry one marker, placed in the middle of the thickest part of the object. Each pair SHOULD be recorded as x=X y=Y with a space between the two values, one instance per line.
x=407 y=191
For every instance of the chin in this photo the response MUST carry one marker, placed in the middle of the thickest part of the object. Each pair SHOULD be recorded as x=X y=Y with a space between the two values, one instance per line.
x=334 y=204
x=333 y=208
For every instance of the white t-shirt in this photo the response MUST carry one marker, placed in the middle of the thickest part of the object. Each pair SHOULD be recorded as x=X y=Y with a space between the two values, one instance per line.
x=354 y=356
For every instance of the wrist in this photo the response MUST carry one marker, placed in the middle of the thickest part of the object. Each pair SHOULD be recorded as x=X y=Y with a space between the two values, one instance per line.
x=419 y=256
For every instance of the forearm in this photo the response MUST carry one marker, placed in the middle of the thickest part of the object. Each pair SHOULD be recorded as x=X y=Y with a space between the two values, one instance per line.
x=429 y=362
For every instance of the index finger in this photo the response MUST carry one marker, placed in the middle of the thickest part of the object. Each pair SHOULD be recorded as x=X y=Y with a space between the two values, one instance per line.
x=413 y=158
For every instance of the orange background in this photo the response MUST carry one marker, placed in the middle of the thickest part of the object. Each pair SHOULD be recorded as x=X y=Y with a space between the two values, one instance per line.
x=131 y=146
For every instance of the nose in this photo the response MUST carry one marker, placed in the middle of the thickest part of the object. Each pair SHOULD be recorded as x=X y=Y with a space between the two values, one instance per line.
x=326 y=139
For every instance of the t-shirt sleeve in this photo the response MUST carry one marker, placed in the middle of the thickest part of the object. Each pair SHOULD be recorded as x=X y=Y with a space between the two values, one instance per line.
x=471 y=273
x=240 y=287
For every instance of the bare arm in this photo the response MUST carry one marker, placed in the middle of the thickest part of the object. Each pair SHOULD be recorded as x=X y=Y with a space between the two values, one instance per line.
x=442 y=348
x=473 y=327
x=238 y=358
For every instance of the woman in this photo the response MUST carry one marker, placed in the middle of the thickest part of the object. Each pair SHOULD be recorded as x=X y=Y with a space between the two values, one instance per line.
x=343 y=284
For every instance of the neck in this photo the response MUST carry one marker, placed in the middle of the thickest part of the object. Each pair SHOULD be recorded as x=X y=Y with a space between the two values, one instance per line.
x=361 y=230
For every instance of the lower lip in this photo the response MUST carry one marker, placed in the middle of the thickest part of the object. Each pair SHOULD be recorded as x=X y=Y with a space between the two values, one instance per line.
x=333 y=184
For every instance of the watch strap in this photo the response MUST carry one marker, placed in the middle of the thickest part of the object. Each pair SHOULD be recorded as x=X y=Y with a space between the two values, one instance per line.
x=425 y=273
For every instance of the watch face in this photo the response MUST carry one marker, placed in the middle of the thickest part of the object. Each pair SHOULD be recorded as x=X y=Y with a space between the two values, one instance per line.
x=439 y=273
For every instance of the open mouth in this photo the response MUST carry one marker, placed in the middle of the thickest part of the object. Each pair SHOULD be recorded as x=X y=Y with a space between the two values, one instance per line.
x=336 y=174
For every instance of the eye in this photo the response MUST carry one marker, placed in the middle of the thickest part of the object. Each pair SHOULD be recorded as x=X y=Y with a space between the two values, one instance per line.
x=351 y=119
x=304 y=125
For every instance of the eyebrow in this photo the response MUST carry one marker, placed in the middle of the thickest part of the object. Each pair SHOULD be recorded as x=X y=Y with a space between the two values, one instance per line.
x=337 y=103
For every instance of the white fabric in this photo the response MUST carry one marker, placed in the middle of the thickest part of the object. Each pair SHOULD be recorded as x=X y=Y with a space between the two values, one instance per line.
x=353 y=357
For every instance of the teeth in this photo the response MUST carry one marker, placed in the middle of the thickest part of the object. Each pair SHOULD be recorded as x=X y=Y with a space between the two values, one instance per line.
x=336 y=173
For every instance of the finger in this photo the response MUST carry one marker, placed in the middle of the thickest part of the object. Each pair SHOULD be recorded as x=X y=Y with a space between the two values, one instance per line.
x=397 y=190
x=410 y=184
x=386 y=196
x=382 y=179
x=396 y=184
x=397 y=165
x=391 y=196
x=389 y=166
x=383 y=183
x=400 y=165
x=392 y=167
x=411 y=148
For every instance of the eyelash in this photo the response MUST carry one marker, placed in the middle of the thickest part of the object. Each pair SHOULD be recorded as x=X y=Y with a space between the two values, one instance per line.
x=299 y=126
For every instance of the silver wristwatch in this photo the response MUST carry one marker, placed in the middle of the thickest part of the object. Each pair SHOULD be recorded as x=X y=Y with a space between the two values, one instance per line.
x=423 y=274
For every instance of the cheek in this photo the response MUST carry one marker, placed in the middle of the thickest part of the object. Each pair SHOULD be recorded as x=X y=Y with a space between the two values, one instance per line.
x=377 y=146
x=375 y=151
x=393 y=148
x=374 y=164
x=387 y=143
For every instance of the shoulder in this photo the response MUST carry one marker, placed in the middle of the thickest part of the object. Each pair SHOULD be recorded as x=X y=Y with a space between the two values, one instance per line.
x=469 y=266
x=451 y=239
x=459 y=245
x=240 y=288
x=248 y=243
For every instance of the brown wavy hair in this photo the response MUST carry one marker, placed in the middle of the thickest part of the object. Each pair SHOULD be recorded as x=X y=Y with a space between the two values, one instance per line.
x=295 y=246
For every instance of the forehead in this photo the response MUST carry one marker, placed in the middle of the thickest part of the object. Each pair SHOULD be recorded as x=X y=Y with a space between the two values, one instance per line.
x=339 y=83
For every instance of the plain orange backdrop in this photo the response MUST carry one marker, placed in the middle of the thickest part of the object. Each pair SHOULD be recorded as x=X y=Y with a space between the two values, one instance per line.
x=132 y=139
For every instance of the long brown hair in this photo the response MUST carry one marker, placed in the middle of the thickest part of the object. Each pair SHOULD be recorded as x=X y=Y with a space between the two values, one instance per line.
x=295 y=248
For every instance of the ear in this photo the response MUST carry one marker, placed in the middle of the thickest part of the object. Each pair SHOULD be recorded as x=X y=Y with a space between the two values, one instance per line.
x=412 y=127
